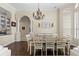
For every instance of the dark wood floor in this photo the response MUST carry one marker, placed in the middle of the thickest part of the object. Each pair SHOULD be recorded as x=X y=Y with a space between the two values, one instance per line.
x=20 y=49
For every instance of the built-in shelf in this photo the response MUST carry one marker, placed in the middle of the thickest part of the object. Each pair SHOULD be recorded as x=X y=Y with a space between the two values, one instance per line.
x=5 y=22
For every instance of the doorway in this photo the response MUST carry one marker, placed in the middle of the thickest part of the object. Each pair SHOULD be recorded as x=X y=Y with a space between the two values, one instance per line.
x=24 y=26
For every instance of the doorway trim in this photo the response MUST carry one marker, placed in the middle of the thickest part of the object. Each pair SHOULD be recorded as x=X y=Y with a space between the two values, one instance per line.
x=18 y=29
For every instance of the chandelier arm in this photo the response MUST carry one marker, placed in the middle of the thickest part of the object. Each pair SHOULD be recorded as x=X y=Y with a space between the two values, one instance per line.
x=38 y=14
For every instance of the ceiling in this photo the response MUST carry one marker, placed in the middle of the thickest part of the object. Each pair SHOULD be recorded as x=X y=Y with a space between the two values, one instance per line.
x=33 y=6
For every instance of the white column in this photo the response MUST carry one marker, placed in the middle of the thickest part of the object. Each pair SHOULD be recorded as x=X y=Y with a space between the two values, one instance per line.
x=17 y=31
x=58 y=22
x=31 y=26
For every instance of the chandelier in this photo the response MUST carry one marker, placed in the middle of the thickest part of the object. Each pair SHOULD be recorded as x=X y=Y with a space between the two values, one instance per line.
x=38 y=14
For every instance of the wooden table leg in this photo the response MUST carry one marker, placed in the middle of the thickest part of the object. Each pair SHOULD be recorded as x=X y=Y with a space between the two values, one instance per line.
x=30 y=48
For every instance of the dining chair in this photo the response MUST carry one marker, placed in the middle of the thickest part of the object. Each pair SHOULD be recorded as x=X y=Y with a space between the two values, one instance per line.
x=60 y=45
x=67 y=39
x=28 y=38
x=38 y=44
x=50 y=44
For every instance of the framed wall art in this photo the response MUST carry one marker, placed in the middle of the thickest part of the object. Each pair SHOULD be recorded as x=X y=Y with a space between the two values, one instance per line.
x=13 y=24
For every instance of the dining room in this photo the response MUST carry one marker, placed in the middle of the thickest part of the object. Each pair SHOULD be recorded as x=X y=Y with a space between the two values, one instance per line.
x=44 y=30
x=40 y=29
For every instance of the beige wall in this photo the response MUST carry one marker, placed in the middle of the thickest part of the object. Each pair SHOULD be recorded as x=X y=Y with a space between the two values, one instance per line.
x=7 y=39
x=66 y=10
x=24 y=22
x=55 y=16
x=50 y=16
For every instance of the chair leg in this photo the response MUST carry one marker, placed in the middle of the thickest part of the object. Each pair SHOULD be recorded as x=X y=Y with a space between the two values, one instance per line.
x=28 y=49
x=57 y=52
x=68 y=51
x=53 y=52
x=46 y=52
x=34 y=52
x=41 y=52
x=63 y=51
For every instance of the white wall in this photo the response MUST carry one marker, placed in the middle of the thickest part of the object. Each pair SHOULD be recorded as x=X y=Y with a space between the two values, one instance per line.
x=7 y=39
x=55 y=16
x=50 y=16
x=64 y=12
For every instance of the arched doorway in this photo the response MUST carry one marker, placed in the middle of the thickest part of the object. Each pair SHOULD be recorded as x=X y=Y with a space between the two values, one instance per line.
x=24 y=27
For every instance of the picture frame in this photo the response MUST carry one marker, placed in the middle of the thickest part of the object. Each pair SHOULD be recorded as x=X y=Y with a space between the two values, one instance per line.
x=13 y=24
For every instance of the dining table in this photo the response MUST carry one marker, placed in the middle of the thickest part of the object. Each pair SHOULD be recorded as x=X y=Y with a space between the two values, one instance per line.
x=44 y=45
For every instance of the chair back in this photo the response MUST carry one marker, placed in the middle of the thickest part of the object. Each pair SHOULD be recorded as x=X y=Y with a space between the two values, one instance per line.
x=38 y=42
x=61 y=43
x=50 y=42
x=28 y=37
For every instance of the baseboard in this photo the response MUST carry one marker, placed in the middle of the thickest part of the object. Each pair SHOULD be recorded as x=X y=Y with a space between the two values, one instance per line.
x=8 y=43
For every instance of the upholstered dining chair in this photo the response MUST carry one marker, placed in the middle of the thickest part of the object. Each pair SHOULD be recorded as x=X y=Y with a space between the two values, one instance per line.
x=28 y=38
x=67 y=40
x=68 y=43
x=50 y=44
x=38 y=44
x=61 y=45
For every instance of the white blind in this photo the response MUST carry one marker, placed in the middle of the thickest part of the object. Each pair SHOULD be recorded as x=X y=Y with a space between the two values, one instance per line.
x=67 y=24
x=76 y=25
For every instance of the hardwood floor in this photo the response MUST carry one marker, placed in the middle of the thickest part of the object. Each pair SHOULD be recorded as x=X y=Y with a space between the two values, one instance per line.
x=20 y=49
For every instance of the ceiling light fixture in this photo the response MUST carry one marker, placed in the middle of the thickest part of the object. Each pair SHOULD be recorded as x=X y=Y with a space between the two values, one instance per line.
x=38 y=15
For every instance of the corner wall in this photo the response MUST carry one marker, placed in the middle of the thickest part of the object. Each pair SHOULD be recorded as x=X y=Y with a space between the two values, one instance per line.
x=7 y=39
x=50 y=15
x=70 y=9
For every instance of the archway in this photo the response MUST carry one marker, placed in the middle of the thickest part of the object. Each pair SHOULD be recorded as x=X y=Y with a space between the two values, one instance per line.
x=24 y=27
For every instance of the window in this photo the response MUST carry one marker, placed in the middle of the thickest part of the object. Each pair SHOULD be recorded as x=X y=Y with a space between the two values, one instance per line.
x=76 y=25
x=67 y=24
